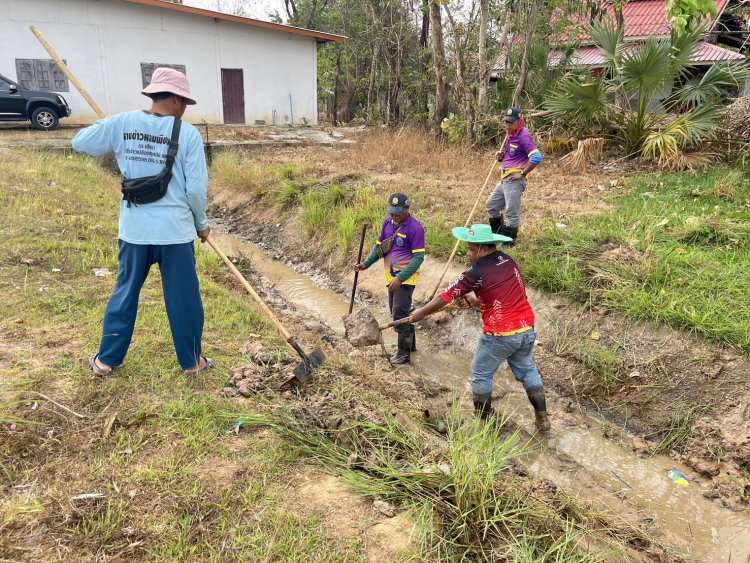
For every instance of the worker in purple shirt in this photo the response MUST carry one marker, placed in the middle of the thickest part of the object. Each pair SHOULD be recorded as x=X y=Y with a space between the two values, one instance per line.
x=521 y=156
x=401 y=245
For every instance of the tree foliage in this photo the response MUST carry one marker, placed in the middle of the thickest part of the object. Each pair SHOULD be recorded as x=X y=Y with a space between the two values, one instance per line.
x=644 y=94
x=686 y=15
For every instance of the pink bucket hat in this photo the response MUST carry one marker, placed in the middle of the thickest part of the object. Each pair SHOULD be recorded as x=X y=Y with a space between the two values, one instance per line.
x=169 y=80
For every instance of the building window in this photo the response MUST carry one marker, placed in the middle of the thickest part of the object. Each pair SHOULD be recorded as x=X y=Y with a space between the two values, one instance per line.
x=147 y=69
x=41 y=74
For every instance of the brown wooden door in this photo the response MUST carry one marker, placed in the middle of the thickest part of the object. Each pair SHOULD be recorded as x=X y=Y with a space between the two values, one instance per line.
x=233 y=94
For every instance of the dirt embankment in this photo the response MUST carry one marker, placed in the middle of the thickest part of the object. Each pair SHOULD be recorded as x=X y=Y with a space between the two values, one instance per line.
x=665 y=387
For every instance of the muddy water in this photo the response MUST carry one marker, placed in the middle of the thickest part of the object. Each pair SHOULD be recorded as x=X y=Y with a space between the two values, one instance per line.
x=701 y=529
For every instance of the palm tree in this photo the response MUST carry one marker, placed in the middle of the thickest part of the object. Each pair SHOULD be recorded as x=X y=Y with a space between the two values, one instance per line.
x=642 y=96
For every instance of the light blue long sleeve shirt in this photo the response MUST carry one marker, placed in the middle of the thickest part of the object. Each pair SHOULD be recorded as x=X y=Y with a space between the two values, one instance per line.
x=139 y=141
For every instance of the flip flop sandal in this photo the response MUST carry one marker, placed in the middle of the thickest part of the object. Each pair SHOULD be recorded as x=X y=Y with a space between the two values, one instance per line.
x=209 y=364
x=97 y=370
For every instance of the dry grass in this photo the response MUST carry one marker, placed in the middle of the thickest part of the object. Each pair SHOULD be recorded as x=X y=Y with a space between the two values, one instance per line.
x=411 y=150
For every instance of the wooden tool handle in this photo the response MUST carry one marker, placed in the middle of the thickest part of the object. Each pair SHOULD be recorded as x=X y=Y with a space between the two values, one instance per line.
x=35 y=30
x=404 y=321
x=468 y=223
x=356 y=274
x=249 y=288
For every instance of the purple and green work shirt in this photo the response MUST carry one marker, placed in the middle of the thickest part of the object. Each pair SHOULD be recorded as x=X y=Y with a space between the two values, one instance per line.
x=519 y=150
x=409 y=241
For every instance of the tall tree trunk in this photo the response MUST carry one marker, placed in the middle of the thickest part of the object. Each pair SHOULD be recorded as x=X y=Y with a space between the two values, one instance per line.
x=466 y=96
x=425 y=24
x=484 y=67
x=423 y=100
x=534 y=8
x=373 y=76
x=336 y=85
x=439 y=66
x=504 y=47
x=394 y=89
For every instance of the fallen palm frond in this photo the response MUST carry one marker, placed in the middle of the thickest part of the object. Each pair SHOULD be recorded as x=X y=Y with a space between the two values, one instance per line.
x=588 y=151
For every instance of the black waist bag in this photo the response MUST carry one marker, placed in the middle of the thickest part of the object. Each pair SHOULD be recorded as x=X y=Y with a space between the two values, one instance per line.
x=385 y=247
x=152 y=188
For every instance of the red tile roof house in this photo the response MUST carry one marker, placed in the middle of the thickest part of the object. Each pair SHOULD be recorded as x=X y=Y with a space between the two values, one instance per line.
x=643 y=19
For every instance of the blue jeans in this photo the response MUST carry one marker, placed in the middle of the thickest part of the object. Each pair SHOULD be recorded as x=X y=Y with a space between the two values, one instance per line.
x=181 y=296
x=492 y=351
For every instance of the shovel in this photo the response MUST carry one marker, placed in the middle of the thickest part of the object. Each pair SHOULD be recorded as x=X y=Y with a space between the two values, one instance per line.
x=304 y=369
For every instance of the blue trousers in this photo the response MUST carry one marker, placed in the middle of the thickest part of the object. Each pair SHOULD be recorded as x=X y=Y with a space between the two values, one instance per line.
x=181 y=296
x=494 y=350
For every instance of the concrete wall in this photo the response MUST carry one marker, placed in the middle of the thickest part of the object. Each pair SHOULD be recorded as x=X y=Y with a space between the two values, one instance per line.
x=105 y=41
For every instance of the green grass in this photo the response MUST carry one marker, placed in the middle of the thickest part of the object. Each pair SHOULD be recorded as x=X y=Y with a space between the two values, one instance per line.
x=235 y=170
x=672 y=249
x=151 y=439
x=677 y=435
x=606 y=363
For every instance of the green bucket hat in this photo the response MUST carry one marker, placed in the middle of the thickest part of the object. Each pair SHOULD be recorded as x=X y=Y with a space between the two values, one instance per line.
x=479 y=234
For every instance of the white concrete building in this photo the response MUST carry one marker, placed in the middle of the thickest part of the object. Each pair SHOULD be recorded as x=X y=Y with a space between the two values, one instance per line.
x=240 y=70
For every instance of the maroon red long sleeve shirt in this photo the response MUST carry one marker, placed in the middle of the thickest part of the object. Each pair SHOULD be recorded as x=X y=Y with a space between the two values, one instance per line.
x=497 y=283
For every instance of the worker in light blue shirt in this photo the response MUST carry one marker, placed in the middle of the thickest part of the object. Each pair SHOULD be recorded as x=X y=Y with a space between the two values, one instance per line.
x=160 y=232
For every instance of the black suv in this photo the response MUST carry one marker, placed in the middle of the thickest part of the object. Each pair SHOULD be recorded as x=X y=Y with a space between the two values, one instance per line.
x=44 y=109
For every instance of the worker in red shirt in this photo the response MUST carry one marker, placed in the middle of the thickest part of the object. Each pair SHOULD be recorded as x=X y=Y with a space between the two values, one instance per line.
x=507 y=317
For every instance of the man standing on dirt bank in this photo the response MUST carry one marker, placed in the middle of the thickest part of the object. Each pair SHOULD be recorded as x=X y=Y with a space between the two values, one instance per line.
x=401 y=244
x=521 y=156
x=507 y=317
x=159 y=232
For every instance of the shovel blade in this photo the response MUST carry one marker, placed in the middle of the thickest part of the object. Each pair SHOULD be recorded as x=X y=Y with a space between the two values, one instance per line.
x=303 y=371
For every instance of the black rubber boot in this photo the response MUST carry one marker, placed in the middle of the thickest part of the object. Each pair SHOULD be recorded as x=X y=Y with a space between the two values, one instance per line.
x=403 y=356
x=539 y=402
x=413 y=339
x=511 y=232
x=496 y=224
x=483 y=405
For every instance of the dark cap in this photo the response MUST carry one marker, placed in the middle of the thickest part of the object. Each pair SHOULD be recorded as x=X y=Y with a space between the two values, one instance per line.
x=512 y=115
x=397 y=203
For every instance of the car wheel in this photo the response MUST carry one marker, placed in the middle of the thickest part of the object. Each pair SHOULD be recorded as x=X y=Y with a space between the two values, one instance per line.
x=44 y=118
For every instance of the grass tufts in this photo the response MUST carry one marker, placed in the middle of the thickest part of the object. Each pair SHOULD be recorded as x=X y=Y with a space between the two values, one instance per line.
x=466 y=499
x=680 y=430
x=672 y=249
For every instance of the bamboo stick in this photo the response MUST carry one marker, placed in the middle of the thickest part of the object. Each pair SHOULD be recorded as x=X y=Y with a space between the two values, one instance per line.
x=468 y=224
x=35 y=30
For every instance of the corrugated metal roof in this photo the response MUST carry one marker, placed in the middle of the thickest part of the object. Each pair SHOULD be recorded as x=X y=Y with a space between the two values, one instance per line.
x=649 y=17
x=643 y=18
x=706 y=53
x=318 y=35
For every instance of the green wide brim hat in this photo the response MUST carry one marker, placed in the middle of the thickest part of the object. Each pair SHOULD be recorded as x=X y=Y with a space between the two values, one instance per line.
x=479 y=234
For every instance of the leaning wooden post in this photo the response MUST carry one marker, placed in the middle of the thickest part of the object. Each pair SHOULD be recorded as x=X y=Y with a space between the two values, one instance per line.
x=468 y=223
x=35 y=30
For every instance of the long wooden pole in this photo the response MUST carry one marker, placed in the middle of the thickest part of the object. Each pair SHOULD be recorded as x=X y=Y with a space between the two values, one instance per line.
x=356 y=274
x=468 y=224
x=35 y=30
x=284 y=332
